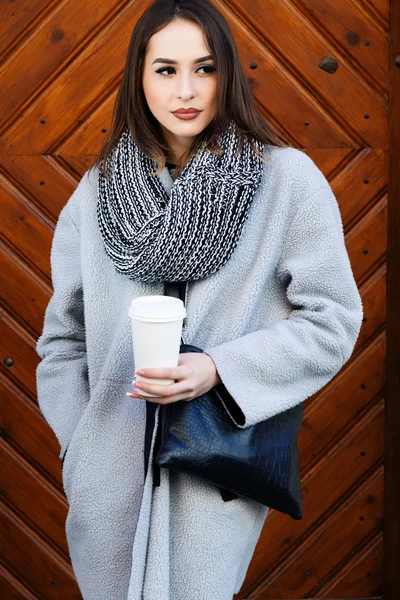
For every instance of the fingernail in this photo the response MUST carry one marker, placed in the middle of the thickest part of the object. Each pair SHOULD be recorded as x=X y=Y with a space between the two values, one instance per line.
x=140 y=372
x=138 y=384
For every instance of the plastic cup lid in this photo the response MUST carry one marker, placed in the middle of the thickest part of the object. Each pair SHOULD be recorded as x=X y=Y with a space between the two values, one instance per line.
x=157 y=309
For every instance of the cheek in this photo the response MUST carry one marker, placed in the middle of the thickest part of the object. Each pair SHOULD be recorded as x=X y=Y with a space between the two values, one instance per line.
x=212 y=95
x=151 y=90
x=212 y=92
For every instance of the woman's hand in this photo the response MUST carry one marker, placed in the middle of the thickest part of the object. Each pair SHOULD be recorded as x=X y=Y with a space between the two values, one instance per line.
x=195 y=374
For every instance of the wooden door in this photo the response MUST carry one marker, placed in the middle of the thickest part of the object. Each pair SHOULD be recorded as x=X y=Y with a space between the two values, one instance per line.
x=319 y=70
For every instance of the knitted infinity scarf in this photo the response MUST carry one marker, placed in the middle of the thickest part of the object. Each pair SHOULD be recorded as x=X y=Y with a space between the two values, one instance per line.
x=187 y=235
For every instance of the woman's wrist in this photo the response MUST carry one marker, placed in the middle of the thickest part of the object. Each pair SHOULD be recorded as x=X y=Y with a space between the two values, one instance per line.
x=217 y=378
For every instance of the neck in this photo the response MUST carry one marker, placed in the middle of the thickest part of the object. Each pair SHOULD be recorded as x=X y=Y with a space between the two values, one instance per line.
x=177 y=146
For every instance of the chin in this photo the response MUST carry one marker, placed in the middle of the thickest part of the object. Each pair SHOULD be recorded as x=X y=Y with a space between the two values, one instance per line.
x=184 y=128
x=195 y=126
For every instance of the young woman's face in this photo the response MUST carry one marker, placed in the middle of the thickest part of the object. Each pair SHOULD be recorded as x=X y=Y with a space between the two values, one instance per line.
x=181 y=81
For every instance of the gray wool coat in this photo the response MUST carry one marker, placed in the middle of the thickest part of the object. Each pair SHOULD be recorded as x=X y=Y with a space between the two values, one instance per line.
x=279 y=319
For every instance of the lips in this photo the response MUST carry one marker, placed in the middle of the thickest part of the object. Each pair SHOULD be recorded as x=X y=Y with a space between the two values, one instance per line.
x=186 y=111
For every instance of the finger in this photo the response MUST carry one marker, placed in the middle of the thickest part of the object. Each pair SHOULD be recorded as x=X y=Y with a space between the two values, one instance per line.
x=173 y=389
x=179 y=372
x=160 y=373
x=137 y=394
x=167 y=400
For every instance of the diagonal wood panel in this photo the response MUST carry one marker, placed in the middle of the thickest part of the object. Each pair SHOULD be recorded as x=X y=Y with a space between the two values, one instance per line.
x=18 y=19
x=61 y=65
x=55 y=46
x=350 y=28
x=378 y=8
x=362 y=574
x=41 y=179
x=356 y=518
x=346 y=94
x=333 y=479
x=25 y=429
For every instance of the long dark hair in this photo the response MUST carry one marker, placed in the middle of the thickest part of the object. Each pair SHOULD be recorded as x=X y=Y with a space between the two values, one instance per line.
x=234 y=95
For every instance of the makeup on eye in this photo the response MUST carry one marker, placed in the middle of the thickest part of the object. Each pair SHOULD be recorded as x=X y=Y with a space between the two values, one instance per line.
x=210 y=67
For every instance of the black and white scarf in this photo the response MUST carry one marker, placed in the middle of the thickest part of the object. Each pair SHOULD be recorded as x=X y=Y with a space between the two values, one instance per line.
x=189 y=234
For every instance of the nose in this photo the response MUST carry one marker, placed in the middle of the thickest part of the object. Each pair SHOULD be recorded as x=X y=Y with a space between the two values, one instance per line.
x=185 y=87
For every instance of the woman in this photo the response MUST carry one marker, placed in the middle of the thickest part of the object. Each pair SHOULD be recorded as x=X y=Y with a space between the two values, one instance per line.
x=255 y=229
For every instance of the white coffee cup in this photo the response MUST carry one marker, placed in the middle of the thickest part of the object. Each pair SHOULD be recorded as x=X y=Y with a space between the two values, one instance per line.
x=156 y=333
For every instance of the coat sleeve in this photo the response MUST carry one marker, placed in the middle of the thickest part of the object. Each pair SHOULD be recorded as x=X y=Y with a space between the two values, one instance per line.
x=273 y=369
x=62 y=374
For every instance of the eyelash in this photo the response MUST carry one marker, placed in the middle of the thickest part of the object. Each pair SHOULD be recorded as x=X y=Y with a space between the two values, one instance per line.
x=212 y=69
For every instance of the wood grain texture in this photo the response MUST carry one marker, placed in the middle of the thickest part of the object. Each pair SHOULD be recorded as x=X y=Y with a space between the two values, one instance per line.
x=32 y=559
x=61 y=65
x=49 y=47
x=334 y=478
x=361 y=574
x=352 y=31
x=346 y=93
x=392 y=423
x=25 y=430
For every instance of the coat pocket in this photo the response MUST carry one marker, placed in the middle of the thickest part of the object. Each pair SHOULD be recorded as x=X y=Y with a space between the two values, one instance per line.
x=70 y=449
x=64 y=455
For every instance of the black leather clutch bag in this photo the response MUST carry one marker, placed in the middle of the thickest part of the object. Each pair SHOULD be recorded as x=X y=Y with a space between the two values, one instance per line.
x=259 y=462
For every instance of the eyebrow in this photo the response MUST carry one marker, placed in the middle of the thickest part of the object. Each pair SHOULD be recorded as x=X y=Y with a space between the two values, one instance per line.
x=168 y=61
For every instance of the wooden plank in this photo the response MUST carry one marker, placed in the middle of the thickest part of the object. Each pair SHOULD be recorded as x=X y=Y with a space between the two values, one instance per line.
x=323 y=490
x=39 y=178
x=345 y=93
x=392 y=421
x=347 y=23
x=288 y=104
x=328 y=160
x=362 y=574
x=16 y=17
x=70 y=25
x=89 y=136
x=373 y=294
x=12 y=589
x=75 y=90
x=26 y=229
x=336 y=539
x=381 y=6
x=328 y=416
x=16 y=344
x=24 y=427
x=359 y=183
x=366 y=242
x=23 y=292
x=81 y=163
x=40 y=505
x=43 y=570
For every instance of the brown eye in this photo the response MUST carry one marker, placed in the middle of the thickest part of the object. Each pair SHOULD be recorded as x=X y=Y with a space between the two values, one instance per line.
x=209 y=67
x=164 y=69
